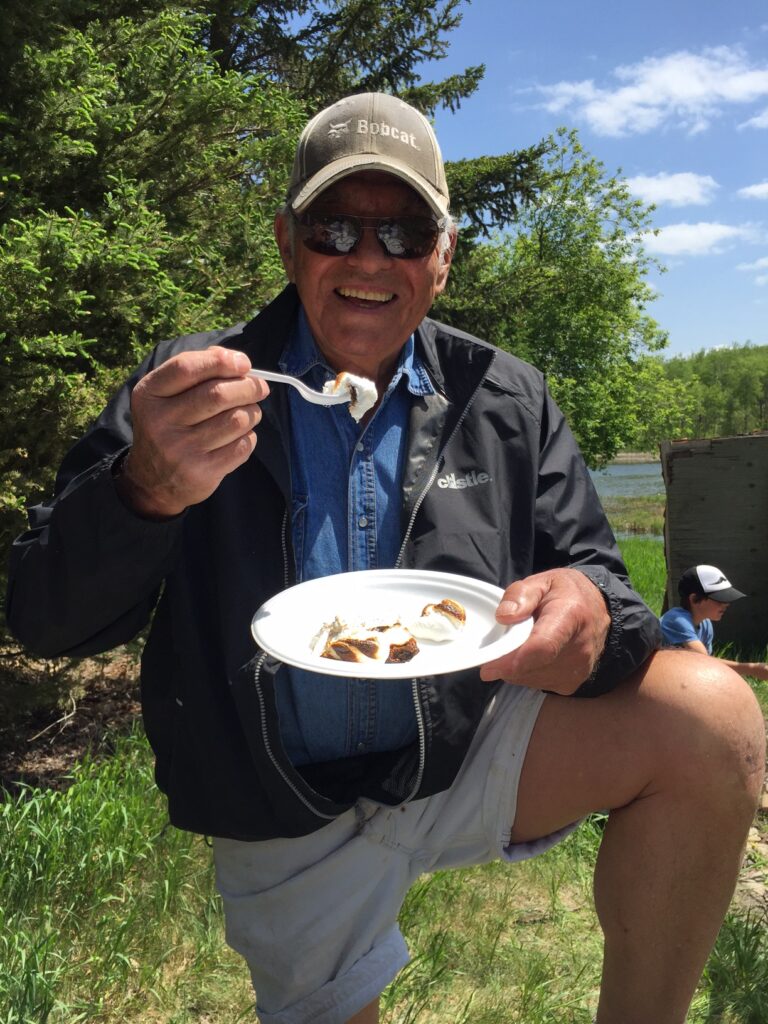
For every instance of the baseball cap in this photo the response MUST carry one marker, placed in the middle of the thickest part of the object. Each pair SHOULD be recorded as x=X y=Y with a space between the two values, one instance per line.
x=708 y=581
x=370 y=131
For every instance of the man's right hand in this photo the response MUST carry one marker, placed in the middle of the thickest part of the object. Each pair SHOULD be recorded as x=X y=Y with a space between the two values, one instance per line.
x=193 y=420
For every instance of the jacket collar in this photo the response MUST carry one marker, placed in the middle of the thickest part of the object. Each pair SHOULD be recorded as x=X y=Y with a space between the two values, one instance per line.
x=456 y=362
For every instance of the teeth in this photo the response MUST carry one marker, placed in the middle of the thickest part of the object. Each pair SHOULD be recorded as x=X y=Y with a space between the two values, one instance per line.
x=355 y=293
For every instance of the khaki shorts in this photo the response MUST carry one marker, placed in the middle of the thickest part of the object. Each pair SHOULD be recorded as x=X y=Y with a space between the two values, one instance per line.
x=316 y=917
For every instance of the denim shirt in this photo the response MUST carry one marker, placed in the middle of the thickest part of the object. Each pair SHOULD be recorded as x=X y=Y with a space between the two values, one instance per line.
x=345 y=516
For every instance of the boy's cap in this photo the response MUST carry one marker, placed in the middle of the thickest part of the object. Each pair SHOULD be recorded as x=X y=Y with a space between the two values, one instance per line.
x=708 y=581
x=368 y=132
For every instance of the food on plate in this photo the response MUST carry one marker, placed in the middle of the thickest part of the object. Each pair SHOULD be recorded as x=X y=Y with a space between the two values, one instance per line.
x=342 y=642
x=439 y=622
x=391 y=643
x=362 y=391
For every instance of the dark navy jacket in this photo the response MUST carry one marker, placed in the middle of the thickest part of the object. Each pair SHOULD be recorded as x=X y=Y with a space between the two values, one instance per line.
x=494 y=488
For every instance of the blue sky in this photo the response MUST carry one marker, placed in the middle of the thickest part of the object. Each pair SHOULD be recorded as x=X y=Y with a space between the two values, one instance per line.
x=674 y=95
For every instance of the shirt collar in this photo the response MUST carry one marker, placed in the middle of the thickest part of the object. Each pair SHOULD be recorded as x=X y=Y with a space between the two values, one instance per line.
x=302 y=358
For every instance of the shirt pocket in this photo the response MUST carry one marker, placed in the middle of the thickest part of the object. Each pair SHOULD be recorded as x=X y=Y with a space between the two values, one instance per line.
x=298 y=531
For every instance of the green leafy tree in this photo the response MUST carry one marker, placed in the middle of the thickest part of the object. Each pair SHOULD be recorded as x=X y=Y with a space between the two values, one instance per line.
x=138 y=185
x=566 y=289
x=325 y=49
x=728 y=389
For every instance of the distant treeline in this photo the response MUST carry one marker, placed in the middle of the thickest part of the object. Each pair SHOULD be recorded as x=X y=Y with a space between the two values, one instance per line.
x=726 y=391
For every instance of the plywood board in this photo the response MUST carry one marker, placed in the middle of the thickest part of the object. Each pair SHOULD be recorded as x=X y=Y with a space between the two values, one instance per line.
x=717 y=513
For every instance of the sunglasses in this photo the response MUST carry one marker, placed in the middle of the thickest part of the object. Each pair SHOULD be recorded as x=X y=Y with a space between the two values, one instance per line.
x=338 y=234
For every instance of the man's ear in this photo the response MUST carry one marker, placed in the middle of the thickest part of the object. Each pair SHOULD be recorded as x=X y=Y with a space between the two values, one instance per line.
x=284 y=241
x=445 y=263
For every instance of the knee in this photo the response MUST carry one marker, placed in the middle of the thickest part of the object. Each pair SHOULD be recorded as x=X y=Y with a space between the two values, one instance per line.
x=712 y=727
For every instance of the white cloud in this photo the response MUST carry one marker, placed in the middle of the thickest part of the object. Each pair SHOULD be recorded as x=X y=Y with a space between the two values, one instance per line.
x=761 y=264
x=757 y=265
x=758 y=121
x=702 y=239
x=682 y=189
x=755 y=191
x=684 y=89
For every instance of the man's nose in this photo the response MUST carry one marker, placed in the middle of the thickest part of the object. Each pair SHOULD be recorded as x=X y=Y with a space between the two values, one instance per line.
x=369 y=253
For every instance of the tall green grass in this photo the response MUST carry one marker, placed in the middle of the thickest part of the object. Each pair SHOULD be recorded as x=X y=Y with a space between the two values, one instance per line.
x=98 y=895
x=644 y=558
x=642 y=514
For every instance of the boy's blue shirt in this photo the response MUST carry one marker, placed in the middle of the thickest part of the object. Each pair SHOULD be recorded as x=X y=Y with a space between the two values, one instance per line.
x=677 y=629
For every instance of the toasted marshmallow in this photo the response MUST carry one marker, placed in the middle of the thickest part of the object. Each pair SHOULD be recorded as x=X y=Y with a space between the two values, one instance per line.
x=439 y=622
x=362 y=393
x=340 y=641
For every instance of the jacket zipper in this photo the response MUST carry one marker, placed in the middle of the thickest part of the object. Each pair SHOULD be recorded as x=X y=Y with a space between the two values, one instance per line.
x=275 y=763
x=436 y=469
x=414 y=512
x=262 y=706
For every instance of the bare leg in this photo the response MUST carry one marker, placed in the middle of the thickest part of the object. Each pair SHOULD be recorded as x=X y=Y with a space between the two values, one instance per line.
x=368 y=1015
x=677 y=755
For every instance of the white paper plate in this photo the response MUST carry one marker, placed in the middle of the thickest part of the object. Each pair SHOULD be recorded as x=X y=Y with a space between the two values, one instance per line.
x=286 y=624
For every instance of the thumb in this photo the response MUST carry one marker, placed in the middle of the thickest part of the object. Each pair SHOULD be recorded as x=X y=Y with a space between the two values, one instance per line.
x=521 y=598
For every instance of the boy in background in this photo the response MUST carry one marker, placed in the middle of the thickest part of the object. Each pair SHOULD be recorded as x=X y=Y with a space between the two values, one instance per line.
x=705 y=596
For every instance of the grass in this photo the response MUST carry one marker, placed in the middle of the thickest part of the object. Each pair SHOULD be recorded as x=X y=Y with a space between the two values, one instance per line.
x=644 y=558
x=108 y=915
x=105 y=911
x=737 y=972
x=500 y=943
x=641 y=514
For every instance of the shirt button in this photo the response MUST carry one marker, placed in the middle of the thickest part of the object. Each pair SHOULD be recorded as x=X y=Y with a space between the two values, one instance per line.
x=360 y=447
x=362 y=522
x=361 y=748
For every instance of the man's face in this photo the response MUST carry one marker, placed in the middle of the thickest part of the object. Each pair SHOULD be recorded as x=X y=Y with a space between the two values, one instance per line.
x=362 y=306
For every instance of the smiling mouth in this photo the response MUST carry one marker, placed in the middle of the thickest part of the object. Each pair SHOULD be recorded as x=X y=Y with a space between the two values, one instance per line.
x=375 y=298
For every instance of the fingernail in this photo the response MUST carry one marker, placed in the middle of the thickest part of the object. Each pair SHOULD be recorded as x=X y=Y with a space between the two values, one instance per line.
x=508 y=608
x=242 y=362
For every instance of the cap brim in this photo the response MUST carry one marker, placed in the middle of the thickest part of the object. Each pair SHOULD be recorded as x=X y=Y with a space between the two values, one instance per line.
x=726 y=596
x=339 y=169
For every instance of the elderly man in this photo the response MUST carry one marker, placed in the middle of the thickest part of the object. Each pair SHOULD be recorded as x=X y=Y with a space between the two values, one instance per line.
x=326 y=796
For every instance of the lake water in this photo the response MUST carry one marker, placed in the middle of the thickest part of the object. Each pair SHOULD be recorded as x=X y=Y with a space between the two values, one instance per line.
x=628 y=480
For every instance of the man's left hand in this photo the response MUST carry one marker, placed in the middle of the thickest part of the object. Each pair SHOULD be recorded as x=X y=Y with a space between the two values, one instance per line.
x=571 y=623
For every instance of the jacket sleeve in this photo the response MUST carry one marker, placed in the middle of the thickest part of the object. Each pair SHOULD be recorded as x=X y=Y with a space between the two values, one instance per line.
x=572 y=530
x=85 y=576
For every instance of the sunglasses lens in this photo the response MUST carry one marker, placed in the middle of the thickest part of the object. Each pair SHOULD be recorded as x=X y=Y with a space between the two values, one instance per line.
x=408 y=238
x=404 y=238
x=330 y=235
